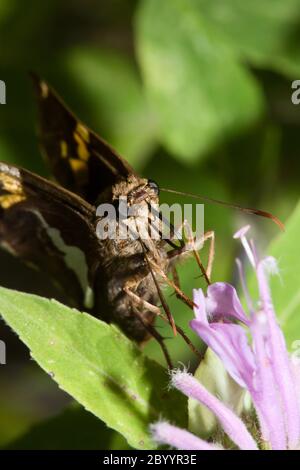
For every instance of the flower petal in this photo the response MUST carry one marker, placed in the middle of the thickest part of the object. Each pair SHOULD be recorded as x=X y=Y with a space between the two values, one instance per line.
x=266 y=397
x=279 y=357
x=200 y=309
x=165 y=433
x=231 y=423
x=222 y=302
x=242 y=231
x=230 y=343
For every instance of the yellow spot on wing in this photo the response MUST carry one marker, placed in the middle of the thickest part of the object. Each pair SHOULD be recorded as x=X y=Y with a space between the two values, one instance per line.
x=44 y=90
x=63 y=148
x=13 y=186
x=82 y=149
x=83 y=132
x=80 y=170
x=8 y=200
x=10 y=184
x=77 y=165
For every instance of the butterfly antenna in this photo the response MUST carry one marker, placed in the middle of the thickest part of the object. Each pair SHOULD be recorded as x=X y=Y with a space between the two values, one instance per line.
x=248 y=210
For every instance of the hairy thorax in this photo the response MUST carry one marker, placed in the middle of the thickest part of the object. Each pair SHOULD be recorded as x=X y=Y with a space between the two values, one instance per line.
x=124 y=264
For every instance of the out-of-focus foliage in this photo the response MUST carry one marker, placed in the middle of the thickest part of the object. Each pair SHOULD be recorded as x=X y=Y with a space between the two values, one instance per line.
x=285 y=286
x=285 y=283
x=72 y=429
x=266 y=33
x=194 y=80
x=196 y=94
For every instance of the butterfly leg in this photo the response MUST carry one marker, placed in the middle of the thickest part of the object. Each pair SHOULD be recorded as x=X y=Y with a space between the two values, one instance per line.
x=174 y=271
x=156 y=310
x=175 y=277
x=210 y=237
x=155 y=268
x=172 y=284
x=159 y=338
x=141 y=302
x=195 y=245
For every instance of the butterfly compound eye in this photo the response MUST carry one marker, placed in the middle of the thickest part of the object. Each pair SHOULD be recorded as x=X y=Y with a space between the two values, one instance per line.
x=154 y=186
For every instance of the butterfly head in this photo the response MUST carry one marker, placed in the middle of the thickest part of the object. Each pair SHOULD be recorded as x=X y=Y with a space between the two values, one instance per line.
x=137 y=191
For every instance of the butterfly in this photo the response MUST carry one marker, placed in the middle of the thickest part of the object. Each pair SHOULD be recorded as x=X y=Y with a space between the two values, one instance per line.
x=53 y=225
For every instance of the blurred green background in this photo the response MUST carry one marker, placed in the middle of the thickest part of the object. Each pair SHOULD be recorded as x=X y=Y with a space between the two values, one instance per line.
x=196 y=94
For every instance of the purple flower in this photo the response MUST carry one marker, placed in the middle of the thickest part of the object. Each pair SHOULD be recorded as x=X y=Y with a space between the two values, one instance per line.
x=261 y=366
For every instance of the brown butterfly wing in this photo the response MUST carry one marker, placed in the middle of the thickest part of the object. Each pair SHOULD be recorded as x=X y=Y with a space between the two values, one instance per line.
x=79 y=159
x=51 y=229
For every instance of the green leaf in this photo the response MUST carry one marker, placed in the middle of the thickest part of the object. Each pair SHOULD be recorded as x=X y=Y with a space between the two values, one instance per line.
x=96 y=364
x=198 y=89
x=263 y=31
x=74 y=429
x=112 y=92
